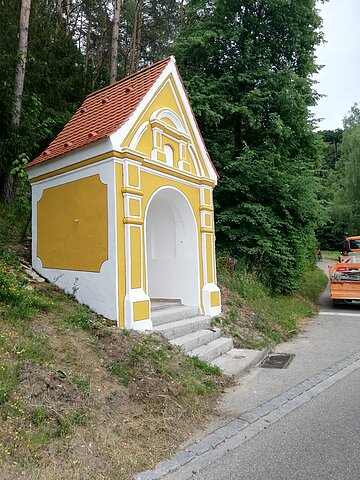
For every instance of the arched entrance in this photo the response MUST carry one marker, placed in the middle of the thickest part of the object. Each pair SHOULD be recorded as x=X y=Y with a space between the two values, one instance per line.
x=172 y=248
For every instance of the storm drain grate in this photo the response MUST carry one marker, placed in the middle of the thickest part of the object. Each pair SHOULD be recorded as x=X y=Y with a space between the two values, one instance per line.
x=277 y=360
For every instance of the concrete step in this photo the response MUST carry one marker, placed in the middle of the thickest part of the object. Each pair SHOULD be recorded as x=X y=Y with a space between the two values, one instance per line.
x=238 y=362
x=173 y=314
x=196 y=339
x=213 y=350
x=176 y=329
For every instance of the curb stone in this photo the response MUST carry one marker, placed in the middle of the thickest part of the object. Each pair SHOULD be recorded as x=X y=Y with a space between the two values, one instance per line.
x=227 y=437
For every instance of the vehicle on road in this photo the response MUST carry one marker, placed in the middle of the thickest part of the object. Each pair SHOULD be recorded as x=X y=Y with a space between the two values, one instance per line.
x=344 y=275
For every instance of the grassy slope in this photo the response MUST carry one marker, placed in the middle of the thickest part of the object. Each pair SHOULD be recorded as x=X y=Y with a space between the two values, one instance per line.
x=255 y=317
x=81 y=399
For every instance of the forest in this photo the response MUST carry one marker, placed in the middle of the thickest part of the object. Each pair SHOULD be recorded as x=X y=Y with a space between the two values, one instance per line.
x=285 y=188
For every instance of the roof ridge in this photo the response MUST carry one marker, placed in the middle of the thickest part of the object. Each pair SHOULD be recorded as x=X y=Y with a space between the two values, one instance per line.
x=128 y=77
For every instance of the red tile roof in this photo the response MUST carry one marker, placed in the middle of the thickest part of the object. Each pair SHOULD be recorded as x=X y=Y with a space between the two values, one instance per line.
x=103 y=112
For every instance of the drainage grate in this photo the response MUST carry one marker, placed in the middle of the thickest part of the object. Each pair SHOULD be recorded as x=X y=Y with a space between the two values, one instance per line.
x=277 y=360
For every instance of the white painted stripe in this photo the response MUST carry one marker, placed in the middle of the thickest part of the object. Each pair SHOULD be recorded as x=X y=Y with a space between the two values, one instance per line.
x=339 y=314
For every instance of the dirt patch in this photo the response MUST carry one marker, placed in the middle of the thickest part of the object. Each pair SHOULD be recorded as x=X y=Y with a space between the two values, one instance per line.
x=53 y=393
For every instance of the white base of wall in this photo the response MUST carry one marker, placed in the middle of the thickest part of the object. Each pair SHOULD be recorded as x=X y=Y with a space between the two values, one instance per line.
x=143 y=325
x=137 y=295
x=86 y=288
x=206 y=295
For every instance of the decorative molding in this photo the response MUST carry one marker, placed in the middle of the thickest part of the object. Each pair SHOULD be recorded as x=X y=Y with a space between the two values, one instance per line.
x=133 y=221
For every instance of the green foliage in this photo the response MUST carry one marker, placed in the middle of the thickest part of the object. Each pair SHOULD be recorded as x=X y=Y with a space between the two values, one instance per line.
x=120 y=372
x=347 y=177
x=13 y=220
x=251 y=93
x=84 y=318
x=17 y=300
x=256 y=317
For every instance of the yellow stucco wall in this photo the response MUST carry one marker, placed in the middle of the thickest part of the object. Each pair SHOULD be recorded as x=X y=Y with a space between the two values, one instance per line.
x=72 y=225
x=150 y=183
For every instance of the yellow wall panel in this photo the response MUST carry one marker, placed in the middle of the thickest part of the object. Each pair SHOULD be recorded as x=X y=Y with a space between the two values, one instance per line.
x=73 y=225
x=135 y=241
x=209 y=259
x=141 y=310
x=215 y=299
x=134 y=207
x=207 y=197
x=133 y=173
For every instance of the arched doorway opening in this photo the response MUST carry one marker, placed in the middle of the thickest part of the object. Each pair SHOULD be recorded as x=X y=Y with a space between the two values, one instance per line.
x=172 y=248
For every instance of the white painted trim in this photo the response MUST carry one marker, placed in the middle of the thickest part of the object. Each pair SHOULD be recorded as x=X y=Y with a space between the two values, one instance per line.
x=127 y=197
x=198 y=167
x=116 y=248
x=197 y=164
x=195 y=128
x=63 y=176
x=205 y=214
x=138 y=134
x=126 y=182
x=202 y=196
x=161 y=113
x=79 y=155
x=117 y=138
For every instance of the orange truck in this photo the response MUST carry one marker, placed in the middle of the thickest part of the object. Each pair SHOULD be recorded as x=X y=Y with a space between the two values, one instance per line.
x=345 y=274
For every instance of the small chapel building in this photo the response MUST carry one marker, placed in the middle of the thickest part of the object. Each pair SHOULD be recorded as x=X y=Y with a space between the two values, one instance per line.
x=122 y=210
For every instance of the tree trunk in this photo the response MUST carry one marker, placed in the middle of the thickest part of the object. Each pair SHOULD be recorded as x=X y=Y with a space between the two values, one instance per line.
x=68 y=16
x=87 y=47
x=59 y=11
x=21 y=64
x=136 y=39
x=115 y=42
x=19 y=85
x=181 y=15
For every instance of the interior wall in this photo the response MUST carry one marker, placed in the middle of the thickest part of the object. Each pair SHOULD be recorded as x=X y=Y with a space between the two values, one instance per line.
x=171 y=245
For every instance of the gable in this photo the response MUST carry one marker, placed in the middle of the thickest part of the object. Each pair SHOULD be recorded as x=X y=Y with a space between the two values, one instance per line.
x=166 y=132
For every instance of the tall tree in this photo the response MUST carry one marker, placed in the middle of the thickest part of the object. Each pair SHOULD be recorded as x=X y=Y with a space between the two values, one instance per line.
x=115 y=42
x=347 y=179
x=19 y=84
x=135 y=47
x=247 y=67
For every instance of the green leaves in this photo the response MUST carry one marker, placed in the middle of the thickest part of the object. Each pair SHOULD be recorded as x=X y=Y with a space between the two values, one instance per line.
x=247 y=69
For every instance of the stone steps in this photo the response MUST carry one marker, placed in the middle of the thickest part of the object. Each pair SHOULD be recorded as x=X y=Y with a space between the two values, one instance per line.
x=213 y=350
x=179 y=328
x=238 y=362
x=197 y=339
x=193 y=333
x=172 y=314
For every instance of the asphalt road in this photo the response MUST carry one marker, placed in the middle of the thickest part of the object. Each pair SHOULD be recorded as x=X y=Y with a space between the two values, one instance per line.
x=314 y=436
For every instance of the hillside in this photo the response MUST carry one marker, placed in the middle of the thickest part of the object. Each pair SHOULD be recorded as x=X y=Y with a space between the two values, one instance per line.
x=81 y=399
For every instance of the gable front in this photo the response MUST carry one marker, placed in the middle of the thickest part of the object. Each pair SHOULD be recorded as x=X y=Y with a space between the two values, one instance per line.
x=165 y=132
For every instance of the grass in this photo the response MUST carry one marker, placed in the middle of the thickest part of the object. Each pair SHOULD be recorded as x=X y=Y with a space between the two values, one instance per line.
x=257 y=318
x=64 y=373
x=78 y=397
x=330 y=255
x=81 y=399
